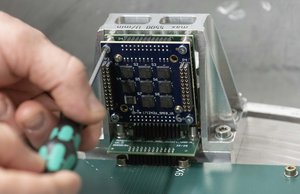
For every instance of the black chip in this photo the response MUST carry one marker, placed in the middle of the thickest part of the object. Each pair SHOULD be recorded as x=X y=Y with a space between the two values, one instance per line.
x=166 y=101
x=130 y=100
x=128 y=86
x=126 y=71
x=146 y=87
x=163 y=72
x=145 y=72
x=148 y=101
x=165 y=87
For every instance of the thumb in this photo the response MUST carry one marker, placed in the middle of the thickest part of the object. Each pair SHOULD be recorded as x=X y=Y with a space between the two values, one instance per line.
x=15 y=154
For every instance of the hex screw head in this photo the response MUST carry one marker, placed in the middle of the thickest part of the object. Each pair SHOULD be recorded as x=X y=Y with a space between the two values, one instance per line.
x=189 y=120
x=223 y=132
x=182 y=49
x=121 y=160
x=114 y=117
x=118 y=58
x=290 y=171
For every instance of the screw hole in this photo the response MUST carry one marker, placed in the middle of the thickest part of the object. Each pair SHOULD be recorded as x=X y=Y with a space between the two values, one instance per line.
x=290 y=167
x=124 y=108
x=173 y=58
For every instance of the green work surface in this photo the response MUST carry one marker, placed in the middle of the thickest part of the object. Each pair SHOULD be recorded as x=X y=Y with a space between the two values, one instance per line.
x=103 y=176
x=180 y=147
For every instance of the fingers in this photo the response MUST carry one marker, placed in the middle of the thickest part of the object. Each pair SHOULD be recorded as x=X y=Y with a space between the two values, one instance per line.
x=15 y=154
x=36 y=121
x=20 y=91
x=6 y=108
x=47 y=102
x=19 y=157
x=7 y=111
x=17 y=182
x=90 y=137
x=50 y=68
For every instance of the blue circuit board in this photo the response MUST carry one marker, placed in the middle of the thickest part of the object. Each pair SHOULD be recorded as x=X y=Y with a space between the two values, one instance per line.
x=149 y=82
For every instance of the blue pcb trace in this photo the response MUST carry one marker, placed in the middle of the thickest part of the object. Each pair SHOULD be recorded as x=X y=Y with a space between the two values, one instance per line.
x=146 y=82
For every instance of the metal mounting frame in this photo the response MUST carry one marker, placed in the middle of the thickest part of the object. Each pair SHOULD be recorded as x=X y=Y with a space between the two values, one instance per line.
x=221 y=103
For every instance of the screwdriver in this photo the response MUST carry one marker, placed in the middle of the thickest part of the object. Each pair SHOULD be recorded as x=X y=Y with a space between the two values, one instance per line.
x=60 y=151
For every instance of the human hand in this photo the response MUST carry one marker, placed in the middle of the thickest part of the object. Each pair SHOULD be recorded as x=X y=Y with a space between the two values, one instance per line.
x=20 y=170
x=31 y=70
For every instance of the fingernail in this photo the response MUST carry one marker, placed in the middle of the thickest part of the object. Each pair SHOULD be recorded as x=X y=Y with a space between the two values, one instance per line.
x=35 y=122
x=3 y=106
x=94 y=103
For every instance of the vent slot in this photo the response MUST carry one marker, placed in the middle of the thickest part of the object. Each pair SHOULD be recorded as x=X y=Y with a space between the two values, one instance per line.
x=133 y=20
x=177 y=20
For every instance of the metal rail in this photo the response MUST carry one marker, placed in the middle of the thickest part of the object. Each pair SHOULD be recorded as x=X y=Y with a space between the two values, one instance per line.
x=273 y=112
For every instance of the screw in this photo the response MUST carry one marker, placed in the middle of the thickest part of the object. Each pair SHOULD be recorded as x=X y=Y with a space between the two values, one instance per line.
x=183 y=163
x=178 y=109
x=182 y=49
x=107 y=48
x=121 y=160
x=118 y=58
x=189 y=120
x=114 y=117
x=290 y=171
x=223 y=132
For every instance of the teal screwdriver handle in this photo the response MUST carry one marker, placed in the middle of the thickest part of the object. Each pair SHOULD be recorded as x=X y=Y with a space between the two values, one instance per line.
x=60 y=151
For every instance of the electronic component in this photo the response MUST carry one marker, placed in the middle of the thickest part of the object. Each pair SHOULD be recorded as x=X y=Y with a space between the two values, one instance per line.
x=163 y=72
x=166 y=102
x=126 y=71
x=128 y=86
x=145 y=72
x=146 y=90
x=130 y=99
x=165 y=87
x=183 y=147
x=146 y=86
x=164 y=75
x=185 y=84
x=148 y=101
x=161 y=85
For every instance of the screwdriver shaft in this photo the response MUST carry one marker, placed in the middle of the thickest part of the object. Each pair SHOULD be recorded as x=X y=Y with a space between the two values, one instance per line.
x=106 y=50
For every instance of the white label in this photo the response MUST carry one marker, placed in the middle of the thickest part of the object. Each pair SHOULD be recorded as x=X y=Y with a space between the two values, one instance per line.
x=179 y=172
